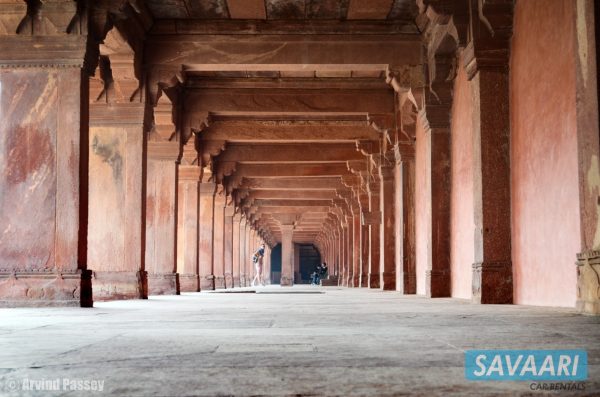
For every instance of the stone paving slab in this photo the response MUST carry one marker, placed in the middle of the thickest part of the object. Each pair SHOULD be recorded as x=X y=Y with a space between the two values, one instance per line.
x=281 y=342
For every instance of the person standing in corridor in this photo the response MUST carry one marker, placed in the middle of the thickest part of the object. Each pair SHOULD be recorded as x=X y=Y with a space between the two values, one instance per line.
x=257 y=260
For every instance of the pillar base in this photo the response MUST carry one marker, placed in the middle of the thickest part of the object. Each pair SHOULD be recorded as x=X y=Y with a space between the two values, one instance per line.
x=373 y=280
x=356 y=281
x=437 y=284
x=163 y=284
x=588 y=282
x=331 y=281
x=228 y=280
x=492 y=283
x=46 y=289
x=219 y=282
x=236 y=282
x=349 y=280
x=189 y=283
x=119 y=285
x=242 y=280
x=408 y=285
x=388 y=281
x=207 y=283
x=364 y=281
x=286 y=281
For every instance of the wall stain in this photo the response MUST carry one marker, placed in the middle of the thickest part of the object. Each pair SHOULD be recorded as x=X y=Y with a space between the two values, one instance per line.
x=109 y=153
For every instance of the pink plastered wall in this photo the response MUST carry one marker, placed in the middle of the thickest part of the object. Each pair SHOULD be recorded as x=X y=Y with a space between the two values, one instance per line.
x=544 y=178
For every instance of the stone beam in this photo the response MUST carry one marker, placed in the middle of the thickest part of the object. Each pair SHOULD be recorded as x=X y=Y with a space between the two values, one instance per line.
x=253 y=25
x=285 y=152
x=291 y=170
x=325 y=183
x=282 y=51
x=285 y=131
x=292 y=203
x=299 y=209
x=293 y=194
x=289 y=101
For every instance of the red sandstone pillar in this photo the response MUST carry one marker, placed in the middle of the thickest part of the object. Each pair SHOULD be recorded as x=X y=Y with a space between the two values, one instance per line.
x=43 y=141
x=205 y=236
x=287 y=256
x=492 y=270
x=387 y=235
x=236 y=252
x=356 y=248
x=297 y=277
x=404 y=174
x=228 y=246
x=437 y=276
x=267 y=266
x=250 y=253
x=344 y=253
x=375 y=224
x=365 y=241
x=187 y=228
x=161 y=195
x=243 y=249
x=350 y=251
x=115 y=250
x=218 y=256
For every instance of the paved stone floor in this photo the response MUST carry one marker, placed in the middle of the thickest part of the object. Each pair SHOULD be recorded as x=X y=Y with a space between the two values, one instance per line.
x=279 y=342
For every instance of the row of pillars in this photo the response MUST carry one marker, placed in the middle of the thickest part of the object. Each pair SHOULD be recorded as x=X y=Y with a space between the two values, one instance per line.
x=214 y=244
x=371 y=243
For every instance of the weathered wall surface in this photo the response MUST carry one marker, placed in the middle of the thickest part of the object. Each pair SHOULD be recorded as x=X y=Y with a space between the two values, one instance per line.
x=545 y=207
x=462 y=226
x=28 y=163
x=423 y=204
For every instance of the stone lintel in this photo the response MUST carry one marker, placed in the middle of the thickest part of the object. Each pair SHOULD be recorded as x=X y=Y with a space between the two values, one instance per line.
x=58 y=51
x=164 y=150
x=117 y=114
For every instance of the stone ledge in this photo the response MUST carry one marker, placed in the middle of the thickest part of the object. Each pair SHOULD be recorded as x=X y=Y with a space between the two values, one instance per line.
x=32 y=289
x=119 y=285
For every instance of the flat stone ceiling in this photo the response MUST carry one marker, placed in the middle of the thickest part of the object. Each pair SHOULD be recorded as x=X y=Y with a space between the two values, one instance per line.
x=284 y=9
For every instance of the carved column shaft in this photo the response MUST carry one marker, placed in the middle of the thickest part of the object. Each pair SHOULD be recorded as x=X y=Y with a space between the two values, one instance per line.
x=387 y=232
x=405 y=222
x=187 y=228
x=287 y=256
x=356 y=248
x=228 y=246
x=161 y=196
x=205 y=236
x=218 y=256
x=375 y=234
x=492 y=270
x=242 y=249
x=236 y=249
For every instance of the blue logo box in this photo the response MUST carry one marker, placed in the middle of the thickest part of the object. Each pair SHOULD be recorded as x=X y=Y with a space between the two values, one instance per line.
x=515 y=365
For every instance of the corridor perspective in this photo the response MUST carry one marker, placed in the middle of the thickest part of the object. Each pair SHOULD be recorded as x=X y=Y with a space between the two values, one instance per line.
x=175 y=174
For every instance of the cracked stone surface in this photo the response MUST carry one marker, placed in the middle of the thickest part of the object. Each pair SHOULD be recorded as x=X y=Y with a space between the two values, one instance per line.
x=345 y=342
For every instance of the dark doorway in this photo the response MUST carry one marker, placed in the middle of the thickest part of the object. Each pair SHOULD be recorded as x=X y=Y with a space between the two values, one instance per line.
x=309 y=259
x=276 y=264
